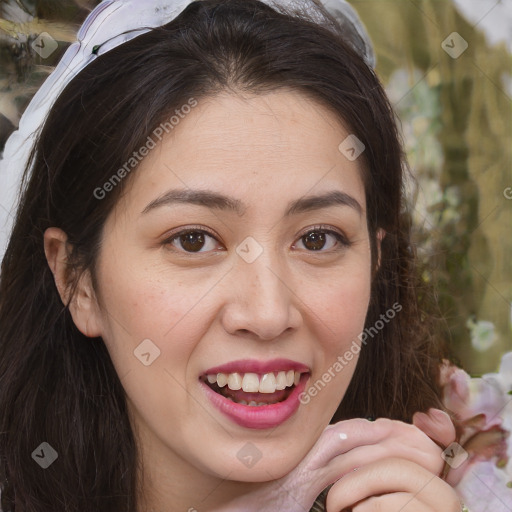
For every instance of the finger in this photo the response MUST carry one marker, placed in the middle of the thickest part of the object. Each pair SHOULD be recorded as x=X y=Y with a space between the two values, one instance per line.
x=351 y=443
x=390 y=439
x=395 y=502
x=313 y=473
x=455 y=475
x=437 y=425
x=425 y=453
x=340 y=438
x=390 y=476
x=349 y=434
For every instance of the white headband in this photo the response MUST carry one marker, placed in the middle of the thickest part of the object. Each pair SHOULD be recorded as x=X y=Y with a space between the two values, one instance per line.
x=110 y=24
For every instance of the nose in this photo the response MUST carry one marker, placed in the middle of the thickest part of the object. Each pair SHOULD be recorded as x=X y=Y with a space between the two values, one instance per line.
x=262 y=302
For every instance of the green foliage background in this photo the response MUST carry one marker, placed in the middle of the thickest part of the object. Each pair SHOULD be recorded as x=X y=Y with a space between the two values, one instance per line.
x=456 y=119
x=456 y=122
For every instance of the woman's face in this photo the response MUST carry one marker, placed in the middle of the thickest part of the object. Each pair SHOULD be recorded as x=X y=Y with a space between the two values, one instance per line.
x=270 y=286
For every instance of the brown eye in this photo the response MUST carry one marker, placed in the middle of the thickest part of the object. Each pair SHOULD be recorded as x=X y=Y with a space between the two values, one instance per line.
x=192 y=241
x=323 y=240
x=314 y=241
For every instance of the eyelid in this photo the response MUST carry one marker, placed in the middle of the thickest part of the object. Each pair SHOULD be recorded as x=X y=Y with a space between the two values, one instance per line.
x=321 y=227
x=187 y=229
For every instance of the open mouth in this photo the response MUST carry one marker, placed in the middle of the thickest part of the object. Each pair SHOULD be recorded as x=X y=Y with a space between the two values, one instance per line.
x=254 y=389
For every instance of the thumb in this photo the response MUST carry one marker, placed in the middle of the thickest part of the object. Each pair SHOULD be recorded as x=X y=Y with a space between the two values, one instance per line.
x=437 y=425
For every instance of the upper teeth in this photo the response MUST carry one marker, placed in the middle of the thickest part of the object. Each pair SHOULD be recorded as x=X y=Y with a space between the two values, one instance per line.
x=254 y=383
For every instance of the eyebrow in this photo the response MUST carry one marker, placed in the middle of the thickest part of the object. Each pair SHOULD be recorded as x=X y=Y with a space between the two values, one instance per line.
x=215 y=200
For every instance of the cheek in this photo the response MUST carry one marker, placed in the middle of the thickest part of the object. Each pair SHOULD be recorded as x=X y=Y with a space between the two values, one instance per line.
x=153 y=326
x=340 y=312
x=148 y=327
x=146 y=302
x=341 y=307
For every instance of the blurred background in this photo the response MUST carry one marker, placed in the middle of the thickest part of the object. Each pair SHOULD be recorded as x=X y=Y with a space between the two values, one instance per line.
x=446 y=65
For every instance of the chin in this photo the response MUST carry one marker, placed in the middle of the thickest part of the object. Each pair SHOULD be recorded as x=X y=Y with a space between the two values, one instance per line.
x=261 y=460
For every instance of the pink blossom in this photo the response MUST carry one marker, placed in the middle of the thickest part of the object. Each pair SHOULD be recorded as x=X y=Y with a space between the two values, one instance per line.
x=481 y=409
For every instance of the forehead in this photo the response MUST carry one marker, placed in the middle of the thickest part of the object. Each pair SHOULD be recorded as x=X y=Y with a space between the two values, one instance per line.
x=259 y=148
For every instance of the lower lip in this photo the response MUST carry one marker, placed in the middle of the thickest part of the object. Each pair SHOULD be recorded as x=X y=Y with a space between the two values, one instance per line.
x=258 y=416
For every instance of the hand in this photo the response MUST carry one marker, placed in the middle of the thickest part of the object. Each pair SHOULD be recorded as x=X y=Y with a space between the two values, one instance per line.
x=398 y=455
x=396 y=482
x=389 y=485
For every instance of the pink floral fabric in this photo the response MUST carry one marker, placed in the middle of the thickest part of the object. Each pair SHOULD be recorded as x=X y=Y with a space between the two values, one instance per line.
x=482 y=412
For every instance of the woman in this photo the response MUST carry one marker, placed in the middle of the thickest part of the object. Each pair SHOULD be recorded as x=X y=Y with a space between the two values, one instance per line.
x=211 y=263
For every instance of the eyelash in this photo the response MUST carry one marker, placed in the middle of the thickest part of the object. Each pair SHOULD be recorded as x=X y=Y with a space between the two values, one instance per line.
x=342 y=240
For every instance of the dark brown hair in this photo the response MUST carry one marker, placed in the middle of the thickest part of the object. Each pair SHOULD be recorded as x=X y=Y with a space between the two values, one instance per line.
x=58 y=386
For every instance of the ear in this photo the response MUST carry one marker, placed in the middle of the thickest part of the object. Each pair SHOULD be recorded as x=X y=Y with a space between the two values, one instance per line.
x=83 y=305
x=380 y=236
